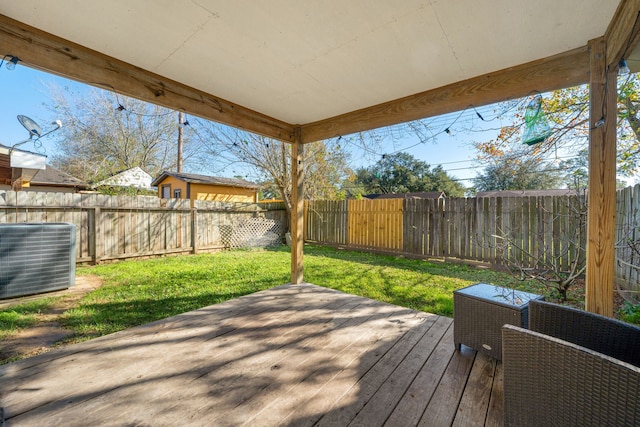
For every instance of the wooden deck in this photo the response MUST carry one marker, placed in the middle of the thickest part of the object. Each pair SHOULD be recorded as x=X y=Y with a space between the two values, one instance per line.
x=294 y=355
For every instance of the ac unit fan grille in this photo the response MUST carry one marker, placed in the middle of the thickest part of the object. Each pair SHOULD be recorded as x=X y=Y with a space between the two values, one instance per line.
x=36 y=258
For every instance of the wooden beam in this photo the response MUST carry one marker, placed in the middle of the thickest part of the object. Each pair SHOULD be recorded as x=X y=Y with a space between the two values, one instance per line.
x=555 y=72
x=297 y=211
x=623 y=32
x=53 y=54
x=602 y=182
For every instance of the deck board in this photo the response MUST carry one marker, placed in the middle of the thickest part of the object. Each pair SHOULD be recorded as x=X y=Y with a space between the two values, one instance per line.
x=410 y=409
x=293 y=355
x=477 y=394
x=387 y=396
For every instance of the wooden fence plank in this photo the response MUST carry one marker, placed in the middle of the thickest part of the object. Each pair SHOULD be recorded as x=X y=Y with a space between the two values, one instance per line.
x=375 y=224
x=123 y=227
x=633 y=237
x=460 y=228
x=467 y=229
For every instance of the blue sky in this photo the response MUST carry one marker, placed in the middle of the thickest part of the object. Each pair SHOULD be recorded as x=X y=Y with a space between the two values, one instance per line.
x=25 y=92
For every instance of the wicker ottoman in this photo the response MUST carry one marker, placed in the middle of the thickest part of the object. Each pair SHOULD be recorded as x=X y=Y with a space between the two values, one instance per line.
x=480 y=310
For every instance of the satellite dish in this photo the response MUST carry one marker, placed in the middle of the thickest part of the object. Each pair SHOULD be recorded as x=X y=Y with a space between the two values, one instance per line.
x=34 y=129
x=30 y=125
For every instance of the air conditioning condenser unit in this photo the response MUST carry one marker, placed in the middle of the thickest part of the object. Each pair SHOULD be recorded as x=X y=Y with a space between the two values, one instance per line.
x=36 y=258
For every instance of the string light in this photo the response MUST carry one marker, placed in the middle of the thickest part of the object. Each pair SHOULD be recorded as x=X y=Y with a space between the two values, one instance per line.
x=623 y=68
x=428 y=128
x=445 y=123
x=479 y=115
x=499 y=112
x=120 y=106
x=11 y=63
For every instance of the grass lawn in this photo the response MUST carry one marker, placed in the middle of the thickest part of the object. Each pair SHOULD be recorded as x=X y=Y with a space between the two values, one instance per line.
x=137 y=292
x=22 y=316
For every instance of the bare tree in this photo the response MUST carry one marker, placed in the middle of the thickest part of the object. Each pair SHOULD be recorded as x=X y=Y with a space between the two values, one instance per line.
x=628 y=256
x=105 y=133
x=555 y=262
x=325 y=162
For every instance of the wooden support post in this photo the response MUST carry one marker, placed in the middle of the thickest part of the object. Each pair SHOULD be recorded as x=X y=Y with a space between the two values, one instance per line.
x=17 y=180
x=602 y=182
x=297 y=210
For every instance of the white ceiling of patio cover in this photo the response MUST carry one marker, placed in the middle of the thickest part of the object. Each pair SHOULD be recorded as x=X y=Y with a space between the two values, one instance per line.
x=303 y=61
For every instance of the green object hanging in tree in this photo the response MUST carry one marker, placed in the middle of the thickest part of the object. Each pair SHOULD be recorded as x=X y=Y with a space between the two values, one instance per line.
x=536 y=125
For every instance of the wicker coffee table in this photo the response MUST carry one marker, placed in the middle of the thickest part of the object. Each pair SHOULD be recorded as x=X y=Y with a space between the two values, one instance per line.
x=480 y=310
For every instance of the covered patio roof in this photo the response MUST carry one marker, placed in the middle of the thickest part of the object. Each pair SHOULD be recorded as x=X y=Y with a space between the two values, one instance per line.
x=305 y=71
x=271 y=66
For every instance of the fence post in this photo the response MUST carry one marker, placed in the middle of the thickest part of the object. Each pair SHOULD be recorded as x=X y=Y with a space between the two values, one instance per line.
x=95 y=234
x=194 y=230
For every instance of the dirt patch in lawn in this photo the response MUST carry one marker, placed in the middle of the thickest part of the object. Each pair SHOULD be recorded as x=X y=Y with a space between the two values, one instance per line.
x=47 y=332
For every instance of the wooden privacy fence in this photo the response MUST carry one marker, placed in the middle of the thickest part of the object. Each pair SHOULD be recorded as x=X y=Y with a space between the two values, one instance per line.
x=525 y=231
x=628 y=237
x=379 y=228
x=115 y=227
x=360 y=224
x=482 y=229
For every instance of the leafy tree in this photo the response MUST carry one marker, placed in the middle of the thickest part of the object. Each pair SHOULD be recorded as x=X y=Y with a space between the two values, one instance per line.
x=568 y=113
x=104 y=134
x=577 y=172
x=403 y=173
x=124 y=191
x=325 y=162
x=518 y=174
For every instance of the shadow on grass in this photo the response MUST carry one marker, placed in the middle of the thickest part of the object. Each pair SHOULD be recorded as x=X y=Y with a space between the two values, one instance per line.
x=417 y=284
x=156 y=291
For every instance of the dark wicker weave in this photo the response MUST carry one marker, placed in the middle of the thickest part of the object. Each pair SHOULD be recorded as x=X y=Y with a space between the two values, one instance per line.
x=551 y=381
x=478 y=322
x=602 y=334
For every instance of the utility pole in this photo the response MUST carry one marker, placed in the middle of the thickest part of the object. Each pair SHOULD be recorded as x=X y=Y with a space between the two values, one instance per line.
x=180 y=133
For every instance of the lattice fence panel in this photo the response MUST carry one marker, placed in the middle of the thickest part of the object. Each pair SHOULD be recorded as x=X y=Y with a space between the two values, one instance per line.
x=252 y=233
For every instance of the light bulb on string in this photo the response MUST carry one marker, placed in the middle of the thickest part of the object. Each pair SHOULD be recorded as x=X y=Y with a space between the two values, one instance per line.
x=623 y=68
x=12 y=62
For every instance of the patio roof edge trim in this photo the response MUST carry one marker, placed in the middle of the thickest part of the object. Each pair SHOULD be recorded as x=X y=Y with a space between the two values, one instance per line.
x=559 y=71
x=47 y=52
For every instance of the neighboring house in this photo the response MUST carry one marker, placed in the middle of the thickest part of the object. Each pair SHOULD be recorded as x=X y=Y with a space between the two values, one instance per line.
x=25 y=171
x=52 y=179
x=529 y=193
x=173 y=185
x=419 y=195
x=134 y=177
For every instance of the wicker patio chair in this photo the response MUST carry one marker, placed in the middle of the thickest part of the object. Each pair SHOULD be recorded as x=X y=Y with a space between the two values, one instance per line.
x=571 y=368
